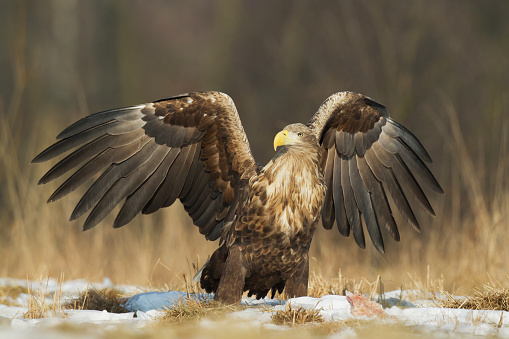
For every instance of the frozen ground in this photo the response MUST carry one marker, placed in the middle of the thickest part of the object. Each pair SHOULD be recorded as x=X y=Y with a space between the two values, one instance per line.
x=404 y=310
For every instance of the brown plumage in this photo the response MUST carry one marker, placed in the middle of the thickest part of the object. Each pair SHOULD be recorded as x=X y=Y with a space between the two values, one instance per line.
x=192 y=147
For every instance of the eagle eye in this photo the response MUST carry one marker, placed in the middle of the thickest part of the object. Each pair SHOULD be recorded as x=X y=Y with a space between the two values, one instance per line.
x=300 y=134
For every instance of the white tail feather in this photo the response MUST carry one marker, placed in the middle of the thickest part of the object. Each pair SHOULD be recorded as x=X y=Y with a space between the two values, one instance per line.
x=197 y=276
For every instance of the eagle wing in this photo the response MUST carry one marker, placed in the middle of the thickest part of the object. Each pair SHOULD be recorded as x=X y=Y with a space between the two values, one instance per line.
x=366 y=155
x=191 y=146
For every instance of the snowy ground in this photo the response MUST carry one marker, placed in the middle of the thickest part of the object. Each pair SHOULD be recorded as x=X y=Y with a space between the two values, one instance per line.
x=420 y=318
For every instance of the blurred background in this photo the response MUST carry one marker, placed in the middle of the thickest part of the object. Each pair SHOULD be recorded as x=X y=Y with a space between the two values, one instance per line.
x=441 y=68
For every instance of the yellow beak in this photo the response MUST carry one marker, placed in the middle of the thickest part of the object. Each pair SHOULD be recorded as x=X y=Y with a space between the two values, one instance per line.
x=280 y=139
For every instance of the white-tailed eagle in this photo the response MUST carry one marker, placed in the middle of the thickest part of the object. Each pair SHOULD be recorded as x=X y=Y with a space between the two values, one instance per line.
x=339 y=166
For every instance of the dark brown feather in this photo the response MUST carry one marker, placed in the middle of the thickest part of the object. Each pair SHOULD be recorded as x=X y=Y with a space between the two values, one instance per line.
x=201 y=197
x=202 y=187
x=96 y=164
x=91 y=149
x=385 y=175
x=141 y=196
x=189 y=153
x=64 y=145
x=358 y=126
x=396 y=130
x=328 y=214
x=124 y=186
x=196 y=166
x=352 y=211
x=415 y=163
x=206 y=201
x=200 y=132
x=339 y=201
x=403 y=176
x=379 y=198
x=364 y=205
x=110 y=177
x=205 y=218
x=96 y=119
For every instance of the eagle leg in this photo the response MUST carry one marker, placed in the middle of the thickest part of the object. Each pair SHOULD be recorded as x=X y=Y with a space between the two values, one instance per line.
x=231 y=284
x=297 y=284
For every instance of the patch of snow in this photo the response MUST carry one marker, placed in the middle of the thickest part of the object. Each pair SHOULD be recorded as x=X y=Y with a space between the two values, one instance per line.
x=253 y=314
x=406 y=308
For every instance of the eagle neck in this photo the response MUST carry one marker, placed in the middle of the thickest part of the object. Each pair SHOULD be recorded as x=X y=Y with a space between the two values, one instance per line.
x=294 y=180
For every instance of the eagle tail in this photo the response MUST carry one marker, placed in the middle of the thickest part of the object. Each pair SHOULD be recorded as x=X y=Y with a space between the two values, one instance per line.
x=210 y=274
x=197 y=276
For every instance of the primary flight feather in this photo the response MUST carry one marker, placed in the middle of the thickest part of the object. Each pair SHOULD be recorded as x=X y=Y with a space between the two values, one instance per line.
x=192 y=147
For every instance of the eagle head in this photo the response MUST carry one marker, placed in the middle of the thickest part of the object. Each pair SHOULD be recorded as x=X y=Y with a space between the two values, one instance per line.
x=296 y=135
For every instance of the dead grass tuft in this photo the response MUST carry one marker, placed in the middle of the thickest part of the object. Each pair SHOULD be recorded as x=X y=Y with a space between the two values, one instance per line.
x=430 y=285
x=320 y=286
x=314 y=321
x=485 y=298
x=108 y=299
x=190 y=309
x=296 y=316
x=38 y=307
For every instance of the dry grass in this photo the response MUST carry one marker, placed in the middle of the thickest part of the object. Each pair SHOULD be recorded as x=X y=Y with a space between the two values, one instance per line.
x=312 y=322
x=320 y=286
x=484 y=298
x=296 y=316
x=190 y=310
x=108 y=299
x=38 y=307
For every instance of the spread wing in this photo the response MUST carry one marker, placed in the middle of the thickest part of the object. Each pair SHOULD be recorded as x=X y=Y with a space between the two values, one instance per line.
x=192 y=147
x=366 y=155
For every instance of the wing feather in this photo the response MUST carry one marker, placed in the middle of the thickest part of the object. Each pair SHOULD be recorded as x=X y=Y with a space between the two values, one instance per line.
x=64 y=145
x=206 y=216
x=364 y=205
x=191 y=146
x=352 y=211
x=373 y=155
x=328 y=215
x=345 y=144
x=396 y=130
x=111 y=176
x=125 y=186
x=94 y=120
x=339 y=201
x=188 y=154
x=93 y=148
x=96 y=164
x=204 y=199
x=195 y=201
x=387 y=176
x=141 y=196
x=410 y=158
x=190 y=179
x=378 y=198
x=403 y=176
